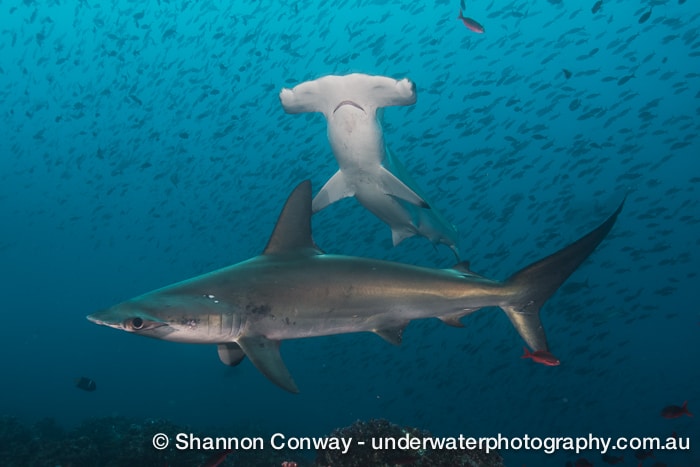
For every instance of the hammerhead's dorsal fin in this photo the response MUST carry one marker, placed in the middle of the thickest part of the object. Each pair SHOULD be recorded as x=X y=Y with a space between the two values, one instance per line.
x=293 y=229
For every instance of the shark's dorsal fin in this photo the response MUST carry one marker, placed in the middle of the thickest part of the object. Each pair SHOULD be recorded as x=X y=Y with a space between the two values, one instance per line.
x=231 y=354
x=293 y=229
x=265 y=355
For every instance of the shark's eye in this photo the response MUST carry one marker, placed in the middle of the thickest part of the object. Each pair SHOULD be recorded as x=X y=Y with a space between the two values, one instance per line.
x=137 y=323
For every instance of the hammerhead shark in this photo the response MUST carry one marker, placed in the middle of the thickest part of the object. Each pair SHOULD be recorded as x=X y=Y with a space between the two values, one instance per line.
x=294 y=290
x=368 y=170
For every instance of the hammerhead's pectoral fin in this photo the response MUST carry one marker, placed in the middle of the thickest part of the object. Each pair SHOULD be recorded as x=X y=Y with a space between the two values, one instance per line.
x=265 y=355
x=336 y=188
x=231 y=354
x=394 y=187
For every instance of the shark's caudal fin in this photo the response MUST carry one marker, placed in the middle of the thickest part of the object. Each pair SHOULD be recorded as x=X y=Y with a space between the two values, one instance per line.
x=533 y=285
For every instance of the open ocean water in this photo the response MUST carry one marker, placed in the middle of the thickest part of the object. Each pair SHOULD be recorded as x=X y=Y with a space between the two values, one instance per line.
x=143 y=143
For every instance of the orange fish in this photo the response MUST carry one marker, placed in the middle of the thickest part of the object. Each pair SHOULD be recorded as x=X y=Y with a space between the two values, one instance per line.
x=471 y=24
x=612 y=460
x=217 y=458
x=541 y=356
x=642 y=454
x=673 y=411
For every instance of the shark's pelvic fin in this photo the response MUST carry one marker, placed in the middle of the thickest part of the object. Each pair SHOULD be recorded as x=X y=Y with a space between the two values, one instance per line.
x=231 y=353
x=293 y=229
x=399 y=234
x=392 y=335
x=265 y=355
x=335 y=189
x=398 y=189
x=454 y=319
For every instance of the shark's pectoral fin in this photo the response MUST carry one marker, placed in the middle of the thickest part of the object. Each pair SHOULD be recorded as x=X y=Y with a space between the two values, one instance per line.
x=265 y=355
x=336 y=188
x=231 y=354
x=392 y=186
x=391 y=335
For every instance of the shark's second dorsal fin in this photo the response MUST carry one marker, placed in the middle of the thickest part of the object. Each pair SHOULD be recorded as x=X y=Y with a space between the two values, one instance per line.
x=465 y=268
x=293 y=229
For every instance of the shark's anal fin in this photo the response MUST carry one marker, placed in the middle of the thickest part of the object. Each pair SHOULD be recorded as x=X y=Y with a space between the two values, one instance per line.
x=231 y=354
x=336 y=188
x=292 y=232
x=391 y=335
x=265 y=355
x=398 y=189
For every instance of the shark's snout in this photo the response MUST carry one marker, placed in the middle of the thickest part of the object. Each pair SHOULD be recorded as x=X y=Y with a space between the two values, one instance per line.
x=98 y=318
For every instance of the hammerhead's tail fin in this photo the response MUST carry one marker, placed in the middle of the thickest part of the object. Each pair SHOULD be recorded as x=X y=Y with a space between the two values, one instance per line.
x=534 y=284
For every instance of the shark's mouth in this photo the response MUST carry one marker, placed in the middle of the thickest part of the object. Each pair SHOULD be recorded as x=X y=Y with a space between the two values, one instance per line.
x=354 y=104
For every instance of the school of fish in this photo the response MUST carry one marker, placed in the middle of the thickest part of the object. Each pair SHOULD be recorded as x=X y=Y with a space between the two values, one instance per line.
x=145 y=142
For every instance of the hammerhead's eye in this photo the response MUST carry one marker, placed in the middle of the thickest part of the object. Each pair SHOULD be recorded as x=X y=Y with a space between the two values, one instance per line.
x=137 y=323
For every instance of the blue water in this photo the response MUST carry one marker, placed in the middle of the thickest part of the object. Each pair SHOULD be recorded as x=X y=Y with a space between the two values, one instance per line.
x=143 y=143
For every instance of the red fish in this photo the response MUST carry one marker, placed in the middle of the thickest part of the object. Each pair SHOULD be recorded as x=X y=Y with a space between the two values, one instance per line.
x=471 y=24
x=613 y=460
x=673 y=411
x=641 y=454
x=541 y=356
x=217 y=458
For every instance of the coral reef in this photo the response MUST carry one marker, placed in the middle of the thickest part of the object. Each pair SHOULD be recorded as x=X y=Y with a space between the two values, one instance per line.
x=122 y=442
x=367 y=455
x=113 y=442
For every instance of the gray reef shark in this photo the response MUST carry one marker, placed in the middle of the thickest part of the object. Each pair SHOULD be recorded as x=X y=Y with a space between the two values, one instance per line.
x=368 y=171
x=293 y=290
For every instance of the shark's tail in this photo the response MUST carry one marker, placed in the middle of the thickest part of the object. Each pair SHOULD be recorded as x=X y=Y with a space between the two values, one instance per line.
x=534 y=284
